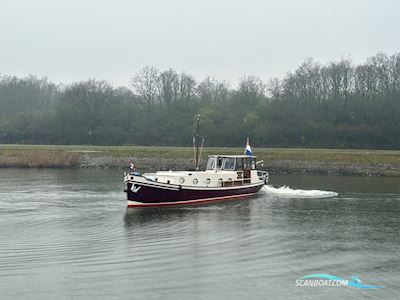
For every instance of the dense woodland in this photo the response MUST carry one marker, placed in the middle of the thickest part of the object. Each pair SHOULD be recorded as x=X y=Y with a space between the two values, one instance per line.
x=333 y=105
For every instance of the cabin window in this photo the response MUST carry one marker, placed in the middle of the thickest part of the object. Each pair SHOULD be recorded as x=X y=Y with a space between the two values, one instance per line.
x=219 y=162
x=211 y=163
x=247 y=163
x=239 y=164
x=229 y=163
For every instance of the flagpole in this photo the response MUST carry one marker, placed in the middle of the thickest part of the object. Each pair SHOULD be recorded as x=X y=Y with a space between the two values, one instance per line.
x=247 y=143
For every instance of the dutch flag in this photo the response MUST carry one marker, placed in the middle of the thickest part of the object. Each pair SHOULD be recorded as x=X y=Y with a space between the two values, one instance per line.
x=247 y=150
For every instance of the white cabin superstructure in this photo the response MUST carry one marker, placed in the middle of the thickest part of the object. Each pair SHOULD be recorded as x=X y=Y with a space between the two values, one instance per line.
x=221 y=171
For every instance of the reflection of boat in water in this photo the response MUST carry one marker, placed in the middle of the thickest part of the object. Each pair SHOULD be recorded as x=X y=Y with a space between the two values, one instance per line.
x=167 y=216
x=226 y=177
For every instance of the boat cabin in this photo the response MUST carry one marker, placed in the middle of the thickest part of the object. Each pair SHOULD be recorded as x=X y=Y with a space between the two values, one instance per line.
x=231 y=162
x=242 y=165
x=221 y=171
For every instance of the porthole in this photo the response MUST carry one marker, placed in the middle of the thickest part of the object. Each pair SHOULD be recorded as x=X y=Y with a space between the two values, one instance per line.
x=195 y=181
x=229 y=179
x=208 y=180
x=220 y=180
x=181 y=180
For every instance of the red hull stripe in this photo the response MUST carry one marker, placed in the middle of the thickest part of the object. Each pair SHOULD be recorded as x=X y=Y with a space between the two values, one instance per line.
x=197 y=201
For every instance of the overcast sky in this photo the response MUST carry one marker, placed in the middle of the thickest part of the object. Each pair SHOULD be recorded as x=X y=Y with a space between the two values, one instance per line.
x=71 y=40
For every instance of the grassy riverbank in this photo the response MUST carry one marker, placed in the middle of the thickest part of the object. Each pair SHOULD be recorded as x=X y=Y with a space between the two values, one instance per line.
x=288 y=160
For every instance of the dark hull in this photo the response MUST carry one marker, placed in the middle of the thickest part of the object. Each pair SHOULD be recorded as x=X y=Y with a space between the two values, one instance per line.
x=154 y=195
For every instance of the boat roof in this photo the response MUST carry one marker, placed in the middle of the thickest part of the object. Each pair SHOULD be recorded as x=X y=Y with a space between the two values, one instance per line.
x=233 y=156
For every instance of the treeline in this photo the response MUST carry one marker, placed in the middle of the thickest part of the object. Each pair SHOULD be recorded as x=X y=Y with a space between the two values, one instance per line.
x=333 y=105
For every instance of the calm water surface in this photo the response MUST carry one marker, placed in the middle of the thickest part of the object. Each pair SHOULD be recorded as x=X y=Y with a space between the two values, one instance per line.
x=67 y=234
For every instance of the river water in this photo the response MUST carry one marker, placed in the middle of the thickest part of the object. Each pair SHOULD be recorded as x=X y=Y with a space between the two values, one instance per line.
x=67 y=234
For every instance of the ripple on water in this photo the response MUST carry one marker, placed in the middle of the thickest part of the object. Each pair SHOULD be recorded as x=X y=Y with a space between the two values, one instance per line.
x=77 y=239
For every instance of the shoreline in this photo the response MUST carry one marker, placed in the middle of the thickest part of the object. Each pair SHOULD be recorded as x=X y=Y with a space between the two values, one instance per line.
x=276 y=160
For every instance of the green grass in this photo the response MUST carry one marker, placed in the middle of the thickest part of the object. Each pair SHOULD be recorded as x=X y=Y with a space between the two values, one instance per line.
x=267 y=154
x=332 y=155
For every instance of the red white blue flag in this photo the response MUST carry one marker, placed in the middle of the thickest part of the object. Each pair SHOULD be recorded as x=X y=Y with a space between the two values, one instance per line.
x=247 y=150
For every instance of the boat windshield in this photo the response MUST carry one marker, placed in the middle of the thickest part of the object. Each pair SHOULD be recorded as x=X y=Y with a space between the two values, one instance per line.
x=239 y=164
x=228 y=163
x=211 y=163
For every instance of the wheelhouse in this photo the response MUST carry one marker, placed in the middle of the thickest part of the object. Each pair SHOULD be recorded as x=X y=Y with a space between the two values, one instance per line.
x=240 y=165
x=231 y=163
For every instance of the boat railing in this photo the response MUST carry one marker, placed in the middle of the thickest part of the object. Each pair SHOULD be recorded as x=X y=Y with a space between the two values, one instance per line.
x=263 y=175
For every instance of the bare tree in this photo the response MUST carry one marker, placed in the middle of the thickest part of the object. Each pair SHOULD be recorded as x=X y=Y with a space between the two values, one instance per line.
x=212 y=91
x=169 y=86
x=146 y=84
x=340 y=76
x=274 y=88
x=88 y=102
x=187 y=87
x=26 y=95
x=251 y=86
x=395 y=73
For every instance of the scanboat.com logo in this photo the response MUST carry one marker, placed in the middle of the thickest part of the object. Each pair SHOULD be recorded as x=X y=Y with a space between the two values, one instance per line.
x=324 y=280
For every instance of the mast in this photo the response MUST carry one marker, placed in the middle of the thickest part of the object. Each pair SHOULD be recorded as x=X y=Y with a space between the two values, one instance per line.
x=197 y=145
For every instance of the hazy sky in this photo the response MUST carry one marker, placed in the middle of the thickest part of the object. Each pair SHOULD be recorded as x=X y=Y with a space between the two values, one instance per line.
x=71 y=40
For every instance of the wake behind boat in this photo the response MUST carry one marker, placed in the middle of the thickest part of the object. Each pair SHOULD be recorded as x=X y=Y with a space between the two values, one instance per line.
x=226 y=177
